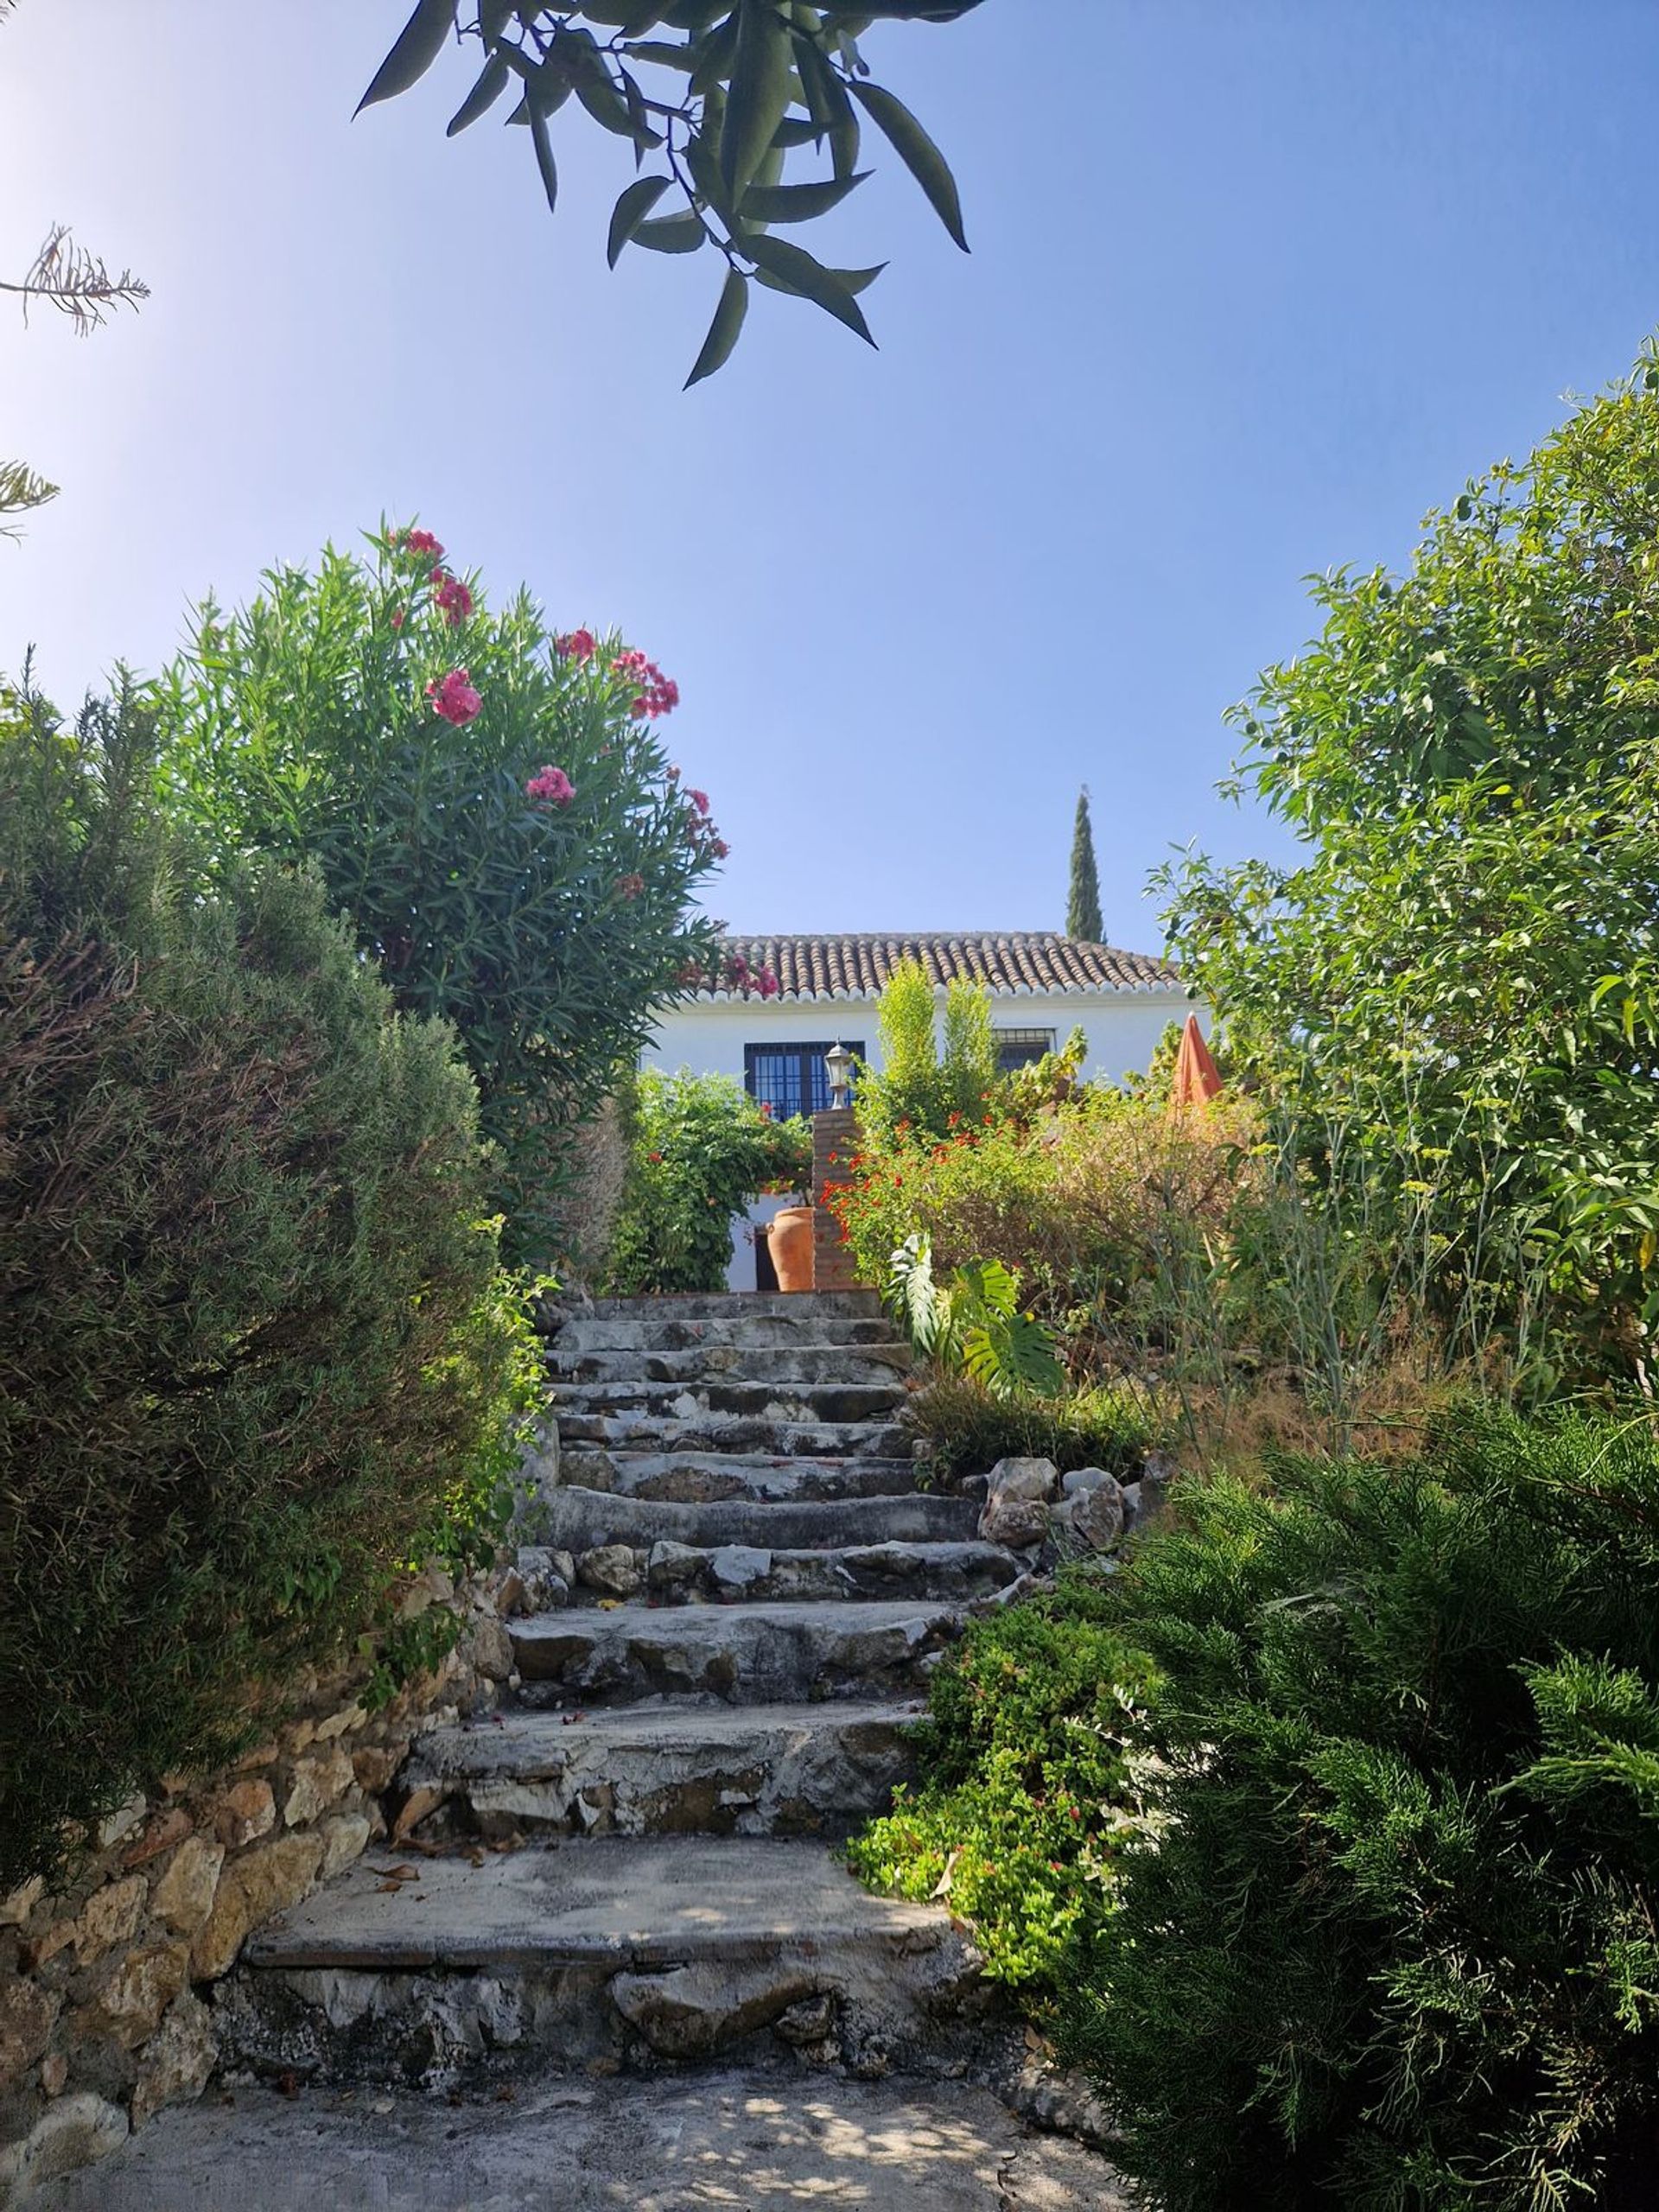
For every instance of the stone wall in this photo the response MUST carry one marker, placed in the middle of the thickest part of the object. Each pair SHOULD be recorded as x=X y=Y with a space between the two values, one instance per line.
x=835 y=1139
x=104 y=1988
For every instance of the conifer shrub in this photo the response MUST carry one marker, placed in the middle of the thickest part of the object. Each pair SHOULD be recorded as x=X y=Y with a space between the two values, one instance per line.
x=1395 y=1945
x=255 y=1352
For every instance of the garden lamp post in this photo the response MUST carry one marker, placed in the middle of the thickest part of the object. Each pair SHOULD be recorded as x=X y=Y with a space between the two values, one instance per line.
x=838 y=1066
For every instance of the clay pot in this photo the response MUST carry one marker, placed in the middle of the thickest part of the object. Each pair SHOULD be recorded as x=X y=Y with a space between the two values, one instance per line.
x=790 y=1241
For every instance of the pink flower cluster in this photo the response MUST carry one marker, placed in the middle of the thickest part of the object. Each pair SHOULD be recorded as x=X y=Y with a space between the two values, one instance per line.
x=577 y=645
x=455 y=602
x=454 y=698
x=740 y=976
x=655 y=694
x=629 y=887
x=552 y=783
x=416 y=541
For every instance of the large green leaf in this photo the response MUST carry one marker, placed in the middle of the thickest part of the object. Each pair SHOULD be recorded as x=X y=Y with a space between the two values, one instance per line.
x=796 y=203
x=542 y=136
x=419 y=44
x=724 y=331
x=670 y=234
x=917 y=153
x=631 y=210
x=758 y=95
x=492 y=81
x=800 y=273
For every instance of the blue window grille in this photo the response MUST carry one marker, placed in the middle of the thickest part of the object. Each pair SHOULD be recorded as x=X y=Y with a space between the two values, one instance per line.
x=791 y=1078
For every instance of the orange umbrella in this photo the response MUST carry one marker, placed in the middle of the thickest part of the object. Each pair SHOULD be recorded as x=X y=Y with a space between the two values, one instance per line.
x=1197 y=1079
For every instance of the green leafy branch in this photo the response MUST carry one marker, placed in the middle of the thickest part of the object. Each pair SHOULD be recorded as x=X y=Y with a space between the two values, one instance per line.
x=725 y=92
x=972 y=1322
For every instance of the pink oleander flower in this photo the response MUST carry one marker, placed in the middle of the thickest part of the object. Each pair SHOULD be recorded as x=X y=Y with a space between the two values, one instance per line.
x=719 y=848
x=700 y=800
x=767 y=984
x=422 y=541
x=454 y=698
x=657 y=695
x=552 y=783
x=671 y=775
x=452 y=597
x=629 y=887
x=579 y=644
x=396 y=618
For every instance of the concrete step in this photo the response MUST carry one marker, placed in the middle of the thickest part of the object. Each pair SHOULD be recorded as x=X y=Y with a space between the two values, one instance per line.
x=738 y=1305
x=757 y=2138
x=663 y=1331
x=728 y=1433
x=783 y=1366
x=727 y=1399
x=574 y=1519
x=668 y=1769
x=701 y=1478
x=746 y=1655
x=608 y=1951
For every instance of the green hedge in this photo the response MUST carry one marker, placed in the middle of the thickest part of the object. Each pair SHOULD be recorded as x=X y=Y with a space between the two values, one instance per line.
x=1397 y=1946
x=250 y=1346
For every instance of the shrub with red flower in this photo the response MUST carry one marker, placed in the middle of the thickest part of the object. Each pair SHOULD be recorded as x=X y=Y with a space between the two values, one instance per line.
x=451 y=597
x=629 y=887
x=454 y=698
x=655 y=694
x=577 y=644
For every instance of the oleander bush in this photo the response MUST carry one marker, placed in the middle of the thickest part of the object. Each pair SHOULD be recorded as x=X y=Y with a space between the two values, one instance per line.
x=488 y=803
x=255 y=1352
x=700 y=1149
x=1027 y=1803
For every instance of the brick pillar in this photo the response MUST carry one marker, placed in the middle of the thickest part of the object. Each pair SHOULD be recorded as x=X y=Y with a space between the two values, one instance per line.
x=835 y=1137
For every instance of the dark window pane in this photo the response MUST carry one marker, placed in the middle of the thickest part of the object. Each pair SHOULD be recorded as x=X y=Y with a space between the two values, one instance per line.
x=1018 y=1048
x=791 y=1078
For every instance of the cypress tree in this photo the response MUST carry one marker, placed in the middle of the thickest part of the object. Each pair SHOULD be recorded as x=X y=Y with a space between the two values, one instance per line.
x=1083 y=905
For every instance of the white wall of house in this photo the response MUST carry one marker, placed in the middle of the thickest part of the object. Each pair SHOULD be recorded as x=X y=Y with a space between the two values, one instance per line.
x=708 y=1036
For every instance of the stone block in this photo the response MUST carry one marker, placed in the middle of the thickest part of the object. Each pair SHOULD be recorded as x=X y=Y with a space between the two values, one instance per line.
x=109 y=1916
x=489 y=1648
x=737 y=1567
x=251 y=1889
x=27 y=2013
x=123 y=1821
x=130 y=2005
x=184 y=1895
x=1014 y=1523
x=316 y=1783
x=1098 y=1515
x=73 y=2132
x=177 y=2060
x=1023 y=1479
x=162 y=1833
x=344 y=1839
x=374 y=1764
x=611 y=1569
x=16 y=1909
x=243 y=1813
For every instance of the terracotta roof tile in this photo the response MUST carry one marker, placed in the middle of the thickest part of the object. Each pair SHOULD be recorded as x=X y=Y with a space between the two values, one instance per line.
x=857 y=964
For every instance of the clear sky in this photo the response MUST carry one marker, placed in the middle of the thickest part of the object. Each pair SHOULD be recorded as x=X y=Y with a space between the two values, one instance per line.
x=1252 y=287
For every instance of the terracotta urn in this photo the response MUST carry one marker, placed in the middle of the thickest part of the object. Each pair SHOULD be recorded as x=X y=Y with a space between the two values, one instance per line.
x=789 y=1241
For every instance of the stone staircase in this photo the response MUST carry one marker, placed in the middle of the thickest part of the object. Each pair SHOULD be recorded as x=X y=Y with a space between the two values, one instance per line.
x=737 y=1595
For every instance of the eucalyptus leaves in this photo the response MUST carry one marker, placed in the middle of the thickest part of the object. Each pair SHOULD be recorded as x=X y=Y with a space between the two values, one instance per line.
x=723 y=93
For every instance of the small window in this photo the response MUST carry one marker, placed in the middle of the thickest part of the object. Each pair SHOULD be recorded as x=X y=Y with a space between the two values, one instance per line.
x=791 y=1078
x=1018 y=1048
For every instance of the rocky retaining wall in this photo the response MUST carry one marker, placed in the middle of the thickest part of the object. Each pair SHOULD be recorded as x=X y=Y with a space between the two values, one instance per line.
x=104 y=1988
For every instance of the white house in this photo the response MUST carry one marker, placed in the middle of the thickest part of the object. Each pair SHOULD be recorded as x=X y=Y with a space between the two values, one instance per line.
x=1042 y=987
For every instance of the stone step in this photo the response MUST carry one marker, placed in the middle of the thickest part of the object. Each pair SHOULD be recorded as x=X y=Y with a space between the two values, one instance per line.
x=748 y=1655
x=728 y=1433
x=669 y=1769
x=606 y=1951
x=714 y=1396
x=748 y=1574
x=701 y=1478
x=574 y=1519
x=663 y=1332
x=738 y=1305
x=783 y=1366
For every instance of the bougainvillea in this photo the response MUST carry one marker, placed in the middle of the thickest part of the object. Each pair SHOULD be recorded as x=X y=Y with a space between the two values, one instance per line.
x=505 y=837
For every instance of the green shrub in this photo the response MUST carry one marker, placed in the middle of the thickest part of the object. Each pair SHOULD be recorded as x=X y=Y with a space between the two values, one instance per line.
x=1396 y=1946
x=1021 y=1819
x=967 y=1430
x=700 y=1149
x=927 y=1083
x=253 y=1350
x=487 y=804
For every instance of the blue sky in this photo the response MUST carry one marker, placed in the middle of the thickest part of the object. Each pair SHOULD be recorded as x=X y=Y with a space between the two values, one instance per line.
x=1252 y=289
